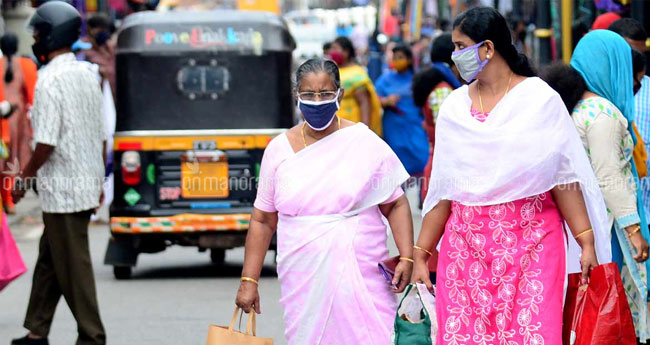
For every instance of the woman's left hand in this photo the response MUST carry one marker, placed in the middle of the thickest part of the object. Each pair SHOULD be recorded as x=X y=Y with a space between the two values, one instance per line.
x=402 y=276
x=640 y=246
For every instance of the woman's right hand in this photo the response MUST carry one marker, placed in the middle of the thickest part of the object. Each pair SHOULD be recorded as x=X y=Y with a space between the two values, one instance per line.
x=390 y=101
x=248 y=297
x=421 y=274
x=393 y=99
x=588 y=261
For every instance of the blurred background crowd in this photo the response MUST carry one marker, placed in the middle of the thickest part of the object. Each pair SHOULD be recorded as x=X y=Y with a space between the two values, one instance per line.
x=380 y=45
x=541 y=29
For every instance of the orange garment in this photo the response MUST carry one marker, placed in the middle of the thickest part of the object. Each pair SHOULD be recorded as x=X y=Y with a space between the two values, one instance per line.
x=16 y=131
x=640 y=154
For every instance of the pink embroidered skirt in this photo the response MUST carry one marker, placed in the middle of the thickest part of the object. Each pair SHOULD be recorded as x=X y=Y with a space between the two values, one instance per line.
x=501 y=274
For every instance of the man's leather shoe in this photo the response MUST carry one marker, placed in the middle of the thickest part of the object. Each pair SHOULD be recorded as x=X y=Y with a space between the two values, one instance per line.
x=26 y=340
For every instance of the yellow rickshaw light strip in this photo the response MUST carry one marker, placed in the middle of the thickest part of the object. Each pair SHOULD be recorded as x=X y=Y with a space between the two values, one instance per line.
x=178 y=143
x=180 y=223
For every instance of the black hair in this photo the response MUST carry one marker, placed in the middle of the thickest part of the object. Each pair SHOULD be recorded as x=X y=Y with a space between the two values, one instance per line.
x=442 y=24
x=638 y=61
x=566 y=81
x=100 y=21
x=630 y=28
x=486 y=23
x=347 y=45
x=423 y=83
x=327 y=46
x=513 y=20
x=404 y=49
x=9 y=47
x=442 y=48
x=578 y=30
x=317 y=65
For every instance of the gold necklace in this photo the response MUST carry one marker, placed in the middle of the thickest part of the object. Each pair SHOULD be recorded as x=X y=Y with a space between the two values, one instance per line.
x=480 y=100
x=303 y=130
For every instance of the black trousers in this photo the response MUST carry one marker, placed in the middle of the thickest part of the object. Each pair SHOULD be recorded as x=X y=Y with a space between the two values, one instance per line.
x=64 y=269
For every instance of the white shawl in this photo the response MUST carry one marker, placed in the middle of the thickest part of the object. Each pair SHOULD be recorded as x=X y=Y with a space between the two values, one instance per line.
x=527 y=145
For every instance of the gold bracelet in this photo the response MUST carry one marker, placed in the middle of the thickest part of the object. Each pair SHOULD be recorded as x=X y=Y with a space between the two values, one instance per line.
x=424 y=250
x=402 y=258
x=636 y=229
x=583 y=233
x=248 y=279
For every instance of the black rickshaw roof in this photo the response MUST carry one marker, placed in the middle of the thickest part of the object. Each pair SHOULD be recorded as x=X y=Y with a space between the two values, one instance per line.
x=206 y=30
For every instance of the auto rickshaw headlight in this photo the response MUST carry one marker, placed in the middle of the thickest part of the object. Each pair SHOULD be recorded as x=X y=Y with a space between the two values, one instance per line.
x=131 y=168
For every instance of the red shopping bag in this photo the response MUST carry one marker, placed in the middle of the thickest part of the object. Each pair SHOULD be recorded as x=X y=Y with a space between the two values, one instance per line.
x=598 y=313
x=11 y=263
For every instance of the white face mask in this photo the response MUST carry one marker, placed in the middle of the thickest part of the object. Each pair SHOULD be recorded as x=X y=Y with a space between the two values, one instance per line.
x=468 y=62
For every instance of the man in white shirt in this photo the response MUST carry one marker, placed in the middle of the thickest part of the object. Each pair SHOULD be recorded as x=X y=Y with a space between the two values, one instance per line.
x=68 y=164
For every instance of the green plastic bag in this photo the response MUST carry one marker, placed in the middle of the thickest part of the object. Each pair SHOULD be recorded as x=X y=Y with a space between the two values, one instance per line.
x=412 y=322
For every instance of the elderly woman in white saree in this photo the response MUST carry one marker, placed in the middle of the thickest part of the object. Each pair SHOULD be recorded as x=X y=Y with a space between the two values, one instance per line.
x=325 y=187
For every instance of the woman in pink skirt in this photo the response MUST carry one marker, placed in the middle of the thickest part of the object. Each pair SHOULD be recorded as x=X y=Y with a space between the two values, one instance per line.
x=509 y=170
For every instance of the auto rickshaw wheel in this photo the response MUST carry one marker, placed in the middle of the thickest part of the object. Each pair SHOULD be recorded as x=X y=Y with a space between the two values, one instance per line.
x=218 y=256
x=122 y=272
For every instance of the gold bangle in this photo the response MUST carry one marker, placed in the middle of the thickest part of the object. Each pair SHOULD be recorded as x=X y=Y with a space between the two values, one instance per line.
x=402 y=258
x=247 y=279
x=583 y=233
x=636 y=229
x=424 y=250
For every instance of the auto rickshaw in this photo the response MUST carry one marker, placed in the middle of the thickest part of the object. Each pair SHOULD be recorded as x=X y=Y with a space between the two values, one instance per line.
x=199 y=96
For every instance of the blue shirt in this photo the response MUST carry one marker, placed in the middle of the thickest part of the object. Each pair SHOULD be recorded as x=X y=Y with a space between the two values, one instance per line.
x=402 y=124
x=642 y=121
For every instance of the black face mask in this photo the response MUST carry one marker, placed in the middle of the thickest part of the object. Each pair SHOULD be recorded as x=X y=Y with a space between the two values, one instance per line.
x=41 y=52
x=101 y=37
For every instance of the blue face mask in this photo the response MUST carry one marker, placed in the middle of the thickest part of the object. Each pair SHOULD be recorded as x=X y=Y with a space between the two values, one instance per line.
x=319 y=115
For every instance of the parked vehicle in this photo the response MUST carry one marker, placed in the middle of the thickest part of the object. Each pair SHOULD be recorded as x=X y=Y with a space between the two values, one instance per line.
x=199 y=96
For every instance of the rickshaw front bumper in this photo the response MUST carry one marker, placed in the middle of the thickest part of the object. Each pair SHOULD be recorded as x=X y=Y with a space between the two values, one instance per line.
x=180 y=223
x=131 y=236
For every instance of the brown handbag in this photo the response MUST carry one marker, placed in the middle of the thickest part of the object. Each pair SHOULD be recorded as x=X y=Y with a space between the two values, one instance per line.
x=221 y=335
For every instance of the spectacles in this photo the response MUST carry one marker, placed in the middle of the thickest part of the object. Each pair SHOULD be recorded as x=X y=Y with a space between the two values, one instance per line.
x=323 y=95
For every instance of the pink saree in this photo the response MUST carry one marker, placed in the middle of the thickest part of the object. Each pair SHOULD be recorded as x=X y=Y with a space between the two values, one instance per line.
x=331 y=235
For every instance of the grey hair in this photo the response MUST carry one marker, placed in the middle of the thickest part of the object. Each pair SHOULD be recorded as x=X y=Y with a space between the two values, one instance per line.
x=318 y=65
